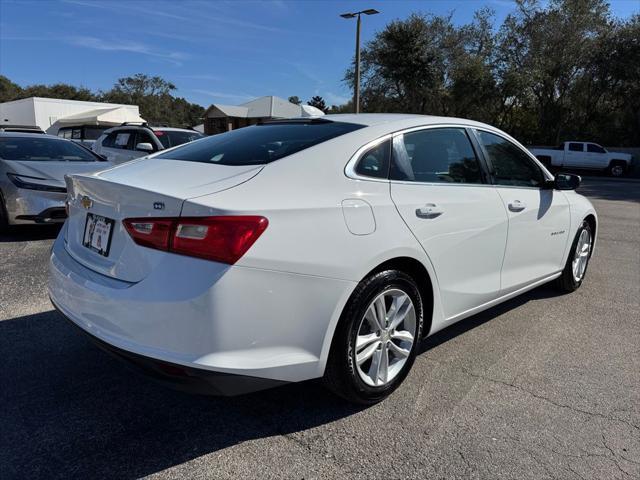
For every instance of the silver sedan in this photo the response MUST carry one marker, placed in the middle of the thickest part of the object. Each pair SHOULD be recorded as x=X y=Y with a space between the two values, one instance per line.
x=32 y=170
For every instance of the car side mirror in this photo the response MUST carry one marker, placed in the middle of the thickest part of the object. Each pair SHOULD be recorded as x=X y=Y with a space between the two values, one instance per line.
x=145 y=147
x=567 y=181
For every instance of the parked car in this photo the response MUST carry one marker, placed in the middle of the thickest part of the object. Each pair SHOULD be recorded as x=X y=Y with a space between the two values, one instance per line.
x=84 y=134
x=129 y=141
x=584 y=155
x=32 y=170
x=21 y=128
x=318 y=247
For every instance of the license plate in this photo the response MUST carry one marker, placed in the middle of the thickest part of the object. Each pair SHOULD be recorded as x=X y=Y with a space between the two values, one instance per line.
x=97 y=234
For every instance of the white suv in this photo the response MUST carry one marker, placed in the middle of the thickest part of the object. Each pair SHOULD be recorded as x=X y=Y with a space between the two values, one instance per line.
x=126 y=142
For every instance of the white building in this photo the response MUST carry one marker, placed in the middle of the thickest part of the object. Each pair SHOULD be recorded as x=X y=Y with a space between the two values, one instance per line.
x=222 y=118
x=52 y=114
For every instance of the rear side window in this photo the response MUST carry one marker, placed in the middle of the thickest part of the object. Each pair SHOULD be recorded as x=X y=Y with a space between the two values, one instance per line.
x=122 y=139
x=575 y=147
x=260 y=144
x=375 y=161
x=440 y=155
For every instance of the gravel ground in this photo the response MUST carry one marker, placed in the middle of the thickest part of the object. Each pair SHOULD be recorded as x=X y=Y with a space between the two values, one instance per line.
x=543 y=386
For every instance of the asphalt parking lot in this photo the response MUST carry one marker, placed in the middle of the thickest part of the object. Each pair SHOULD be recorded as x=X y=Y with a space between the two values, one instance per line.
x=544 y=386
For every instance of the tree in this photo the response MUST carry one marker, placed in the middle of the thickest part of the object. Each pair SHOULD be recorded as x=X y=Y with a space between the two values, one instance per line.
x=318 y=102
x=9 y=90
x=154 y=97
x=551 y=72
x=295 y=100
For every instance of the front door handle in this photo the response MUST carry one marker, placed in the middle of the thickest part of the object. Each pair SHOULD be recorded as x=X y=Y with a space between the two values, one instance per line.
x=517 y=206
x=430 y=210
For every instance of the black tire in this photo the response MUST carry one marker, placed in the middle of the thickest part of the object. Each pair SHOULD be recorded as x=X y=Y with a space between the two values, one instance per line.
x=617 y=168
x=341 y=375
x=567 y=282
x=4 y=219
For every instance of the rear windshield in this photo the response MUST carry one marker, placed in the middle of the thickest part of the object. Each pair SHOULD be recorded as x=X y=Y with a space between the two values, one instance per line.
x=260 y=144
x=43 y=150
x=170 y=138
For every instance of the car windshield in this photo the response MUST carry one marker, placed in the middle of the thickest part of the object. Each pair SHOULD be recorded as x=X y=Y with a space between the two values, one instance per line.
x=260 y=144
x=43 y=150
x=173 y=138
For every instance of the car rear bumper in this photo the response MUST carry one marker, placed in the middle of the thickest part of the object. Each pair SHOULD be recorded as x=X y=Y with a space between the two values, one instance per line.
x=180 y=377
x=218 y=320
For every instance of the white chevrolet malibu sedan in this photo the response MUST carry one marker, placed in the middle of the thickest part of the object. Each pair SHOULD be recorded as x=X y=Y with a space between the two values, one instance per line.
x=312 y=248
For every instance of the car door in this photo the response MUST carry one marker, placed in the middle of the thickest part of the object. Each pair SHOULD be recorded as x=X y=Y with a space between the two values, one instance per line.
x=595 y=157
x=539 y=217
x=440 y=189
x=574 y=155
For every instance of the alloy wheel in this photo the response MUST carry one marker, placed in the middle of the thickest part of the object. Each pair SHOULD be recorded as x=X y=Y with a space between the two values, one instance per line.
x=581 y=255
x=385 y=337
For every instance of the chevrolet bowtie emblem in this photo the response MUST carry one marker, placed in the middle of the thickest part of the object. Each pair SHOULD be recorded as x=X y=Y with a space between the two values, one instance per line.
x=86 y=202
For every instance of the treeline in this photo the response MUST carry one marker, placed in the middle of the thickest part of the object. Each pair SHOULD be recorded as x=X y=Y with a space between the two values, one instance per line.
x=565 y=71
x=153 y=95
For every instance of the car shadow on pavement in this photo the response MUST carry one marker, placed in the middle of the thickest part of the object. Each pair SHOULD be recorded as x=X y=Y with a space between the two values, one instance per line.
x=68 y=409
x=28 y=233
x=610 y=189
x=461 y=327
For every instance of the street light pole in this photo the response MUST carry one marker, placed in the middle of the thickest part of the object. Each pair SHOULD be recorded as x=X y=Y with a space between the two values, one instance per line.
x=356 y=91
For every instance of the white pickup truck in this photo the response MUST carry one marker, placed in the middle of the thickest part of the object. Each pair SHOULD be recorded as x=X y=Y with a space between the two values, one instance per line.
x=585 y=155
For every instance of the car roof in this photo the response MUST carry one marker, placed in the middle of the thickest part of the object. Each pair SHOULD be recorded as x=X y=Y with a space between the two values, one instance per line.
x=401 y=120
x=149 y=127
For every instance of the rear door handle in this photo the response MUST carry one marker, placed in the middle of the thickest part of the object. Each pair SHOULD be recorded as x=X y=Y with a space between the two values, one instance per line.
x=517 y=206
x=430 y=210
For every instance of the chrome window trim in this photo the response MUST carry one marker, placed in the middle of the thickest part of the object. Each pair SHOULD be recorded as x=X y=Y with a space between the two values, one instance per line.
x=545 y=172
x=350 y=168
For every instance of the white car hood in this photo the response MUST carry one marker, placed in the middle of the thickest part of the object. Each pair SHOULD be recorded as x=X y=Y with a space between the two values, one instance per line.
x=52 y=172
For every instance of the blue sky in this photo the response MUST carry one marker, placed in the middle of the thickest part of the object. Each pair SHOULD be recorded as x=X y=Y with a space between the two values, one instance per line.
x=214 y=51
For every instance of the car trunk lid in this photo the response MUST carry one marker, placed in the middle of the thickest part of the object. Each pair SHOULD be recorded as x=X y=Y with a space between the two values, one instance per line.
x=131 y=191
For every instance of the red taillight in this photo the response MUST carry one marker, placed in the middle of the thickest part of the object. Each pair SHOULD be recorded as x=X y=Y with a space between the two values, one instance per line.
x=222 y=239
x=150 y=232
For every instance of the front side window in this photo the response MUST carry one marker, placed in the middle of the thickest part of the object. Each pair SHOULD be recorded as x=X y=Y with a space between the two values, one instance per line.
x=575 y=147
x=593 y=148
x=375 y=161
x=511 y=165
x=260 y=144
x=43 y=150
x=441 y=155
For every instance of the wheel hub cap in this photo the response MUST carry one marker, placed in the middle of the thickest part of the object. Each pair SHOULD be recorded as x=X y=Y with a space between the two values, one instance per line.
x=581 y=255
x=385 y=337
